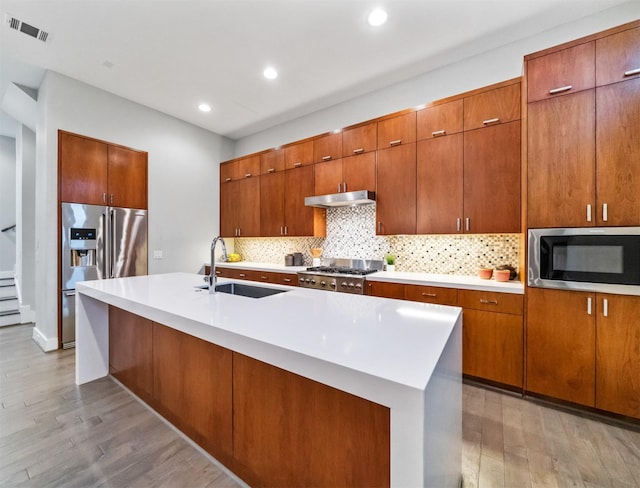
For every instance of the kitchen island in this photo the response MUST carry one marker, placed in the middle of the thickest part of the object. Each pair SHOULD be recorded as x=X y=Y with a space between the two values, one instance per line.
x=388 y=357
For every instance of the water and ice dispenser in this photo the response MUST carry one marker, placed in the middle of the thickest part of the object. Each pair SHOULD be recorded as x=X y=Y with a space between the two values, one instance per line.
x=83 y=246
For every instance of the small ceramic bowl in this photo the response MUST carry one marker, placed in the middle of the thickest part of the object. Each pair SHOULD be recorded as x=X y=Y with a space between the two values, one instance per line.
x=501 y=274
x=485 y=273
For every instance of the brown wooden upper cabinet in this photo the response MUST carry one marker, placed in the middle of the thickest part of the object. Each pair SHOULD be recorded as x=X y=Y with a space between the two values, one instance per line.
x=239 y=169
x=239 y=214
x=346 y=174
x=299 y=154
x=396 y=190
x=361 y=139
x=497 y=106
x=97 y=173
x=397 y=130
x=559 y=73
x=439 y=120
x=618 y=57
x=272 y=161
x=327 y=147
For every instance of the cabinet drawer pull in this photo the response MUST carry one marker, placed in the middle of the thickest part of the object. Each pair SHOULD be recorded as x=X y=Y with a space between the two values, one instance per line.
x=437 y=133
x=263 y=277
x=490 y=121
x=326 y=158
x=589 y=305
x=589 y=213
x=242 y=275
x=248 y=175
x=560 y=89
x=228 y=179
x=432 y=295
x=395 y=143
x=605 y=307
x=297 y=165
x=488 y=302
x=358 y=151
x=287 y=280
x=605 y=213
x=271 y=170
x=632 y=72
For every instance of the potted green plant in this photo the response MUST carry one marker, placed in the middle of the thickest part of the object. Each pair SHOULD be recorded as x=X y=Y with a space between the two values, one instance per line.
x=390 y=262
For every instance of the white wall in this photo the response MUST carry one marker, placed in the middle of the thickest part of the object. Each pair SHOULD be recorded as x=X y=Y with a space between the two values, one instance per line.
x=183 y=180
x=26 y=218
x=7 y=203
x=491 y=67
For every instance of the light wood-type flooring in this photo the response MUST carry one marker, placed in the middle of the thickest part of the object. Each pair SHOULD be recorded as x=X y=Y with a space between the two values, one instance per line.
x=55 y=434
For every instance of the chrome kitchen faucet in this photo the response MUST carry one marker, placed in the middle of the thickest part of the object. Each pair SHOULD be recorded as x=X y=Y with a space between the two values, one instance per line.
x=212 y=272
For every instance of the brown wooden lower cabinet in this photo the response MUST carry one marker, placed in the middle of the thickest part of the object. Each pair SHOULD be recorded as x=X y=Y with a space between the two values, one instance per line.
x=192 y=388
x=292 y=431
x=269 y=426
x=561 y=345
x=290 y=279
x=385 y=289
x=130 y=351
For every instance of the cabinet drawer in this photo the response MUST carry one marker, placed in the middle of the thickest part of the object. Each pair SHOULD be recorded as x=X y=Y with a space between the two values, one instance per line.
x=492 y=107
x=491 y=301
x=272 y=161
x=441 y=120
x=431 y=294
x=397 y=130
x=298 y=155
x=327 y=147
x=618 y=57
x=562 y=72
x=385 y=289
x=359 y=139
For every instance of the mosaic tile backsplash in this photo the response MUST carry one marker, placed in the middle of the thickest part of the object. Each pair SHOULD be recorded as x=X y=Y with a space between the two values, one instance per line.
x=351 y=233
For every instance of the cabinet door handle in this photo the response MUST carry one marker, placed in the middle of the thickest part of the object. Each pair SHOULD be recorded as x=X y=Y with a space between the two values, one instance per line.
x=605 y=307
x=490 y=121
x=560 y=89
x=358 y=151
x=286 y=231
x=271 y=170
x=437 y=133
x=344 y=186
x=248 y=175
x=339 y=187
x=104 y=198
x=228 y=179
x=432 y=295
x=632 y=72
x=589 y=213
x=458 y=224
x=326 y=158
x=488 y=302
x=396 y=142
x=589 y=305
x=297 y=165
x=605 y=213
x=467 y=223
x=379 y=227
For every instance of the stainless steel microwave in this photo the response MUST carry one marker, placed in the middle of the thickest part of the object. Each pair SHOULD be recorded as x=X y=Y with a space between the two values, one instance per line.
x=603 y=259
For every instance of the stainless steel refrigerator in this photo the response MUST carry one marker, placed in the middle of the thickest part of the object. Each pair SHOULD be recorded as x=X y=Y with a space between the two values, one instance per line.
x=98 y=242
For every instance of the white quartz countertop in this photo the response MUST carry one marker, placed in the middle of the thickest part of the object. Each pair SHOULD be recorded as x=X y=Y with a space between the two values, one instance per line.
x=430 y=279
x=334 y=338
x=448 y=281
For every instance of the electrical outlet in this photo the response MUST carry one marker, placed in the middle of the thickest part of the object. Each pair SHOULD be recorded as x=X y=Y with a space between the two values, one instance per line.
x=157 y=254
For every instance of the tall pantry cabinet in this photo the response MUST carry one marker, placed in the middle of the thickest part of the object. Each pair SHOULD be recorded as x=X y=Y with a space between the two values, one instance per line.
x=583 y=170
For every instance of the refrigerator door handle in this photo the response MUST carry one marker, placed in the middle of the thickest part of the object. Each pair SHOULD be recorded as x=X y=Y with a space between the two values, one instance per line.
x=112 y=233
x=70 y=293
x=102 y=247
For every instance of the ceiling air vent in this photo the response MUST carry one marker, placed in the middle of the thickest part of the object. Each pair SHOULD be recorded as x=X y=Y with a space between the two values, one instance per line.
x=28 y=29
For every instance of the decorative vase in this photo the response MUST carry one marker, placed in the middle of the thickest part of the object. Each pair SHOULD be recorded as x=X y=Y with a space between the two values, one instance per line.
x=391 y=268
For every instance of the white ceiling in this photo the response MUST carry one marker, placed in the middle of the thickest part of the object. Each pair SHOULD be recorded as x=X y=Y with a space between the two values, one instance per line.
x=172 y=55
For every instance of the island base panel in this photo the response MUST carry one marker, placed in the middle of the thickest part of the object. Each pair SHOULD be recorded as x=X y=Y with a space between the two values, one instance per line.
x=292 y=431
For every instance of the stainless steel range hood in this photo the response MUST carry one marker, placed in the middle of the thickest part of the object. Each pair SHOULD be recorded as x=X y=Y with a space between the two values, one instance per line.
x=346 y=199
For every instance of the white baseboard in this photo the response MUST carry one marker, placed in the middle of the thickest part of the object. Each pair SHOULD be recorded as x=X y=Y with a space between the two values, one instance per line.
x=26 y=314
x=46 y=344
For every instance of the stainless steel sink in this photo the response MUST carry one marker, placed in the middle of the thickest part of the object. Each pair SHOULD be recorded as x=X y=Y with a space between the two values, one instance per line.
x=245 y=290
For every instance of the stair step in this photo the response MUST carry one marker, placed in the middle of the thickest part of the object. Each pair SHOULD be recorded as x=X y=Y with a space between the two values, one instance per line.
x=7 y=292
x=11 y=319
x=7 y=282
x=9 y=304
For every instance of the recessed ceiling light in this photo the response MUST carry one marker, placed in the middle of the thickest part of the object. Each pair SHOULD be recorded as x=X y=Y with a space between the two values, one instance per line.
x=377 y=17
x=270 y=73
x=204 y=107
